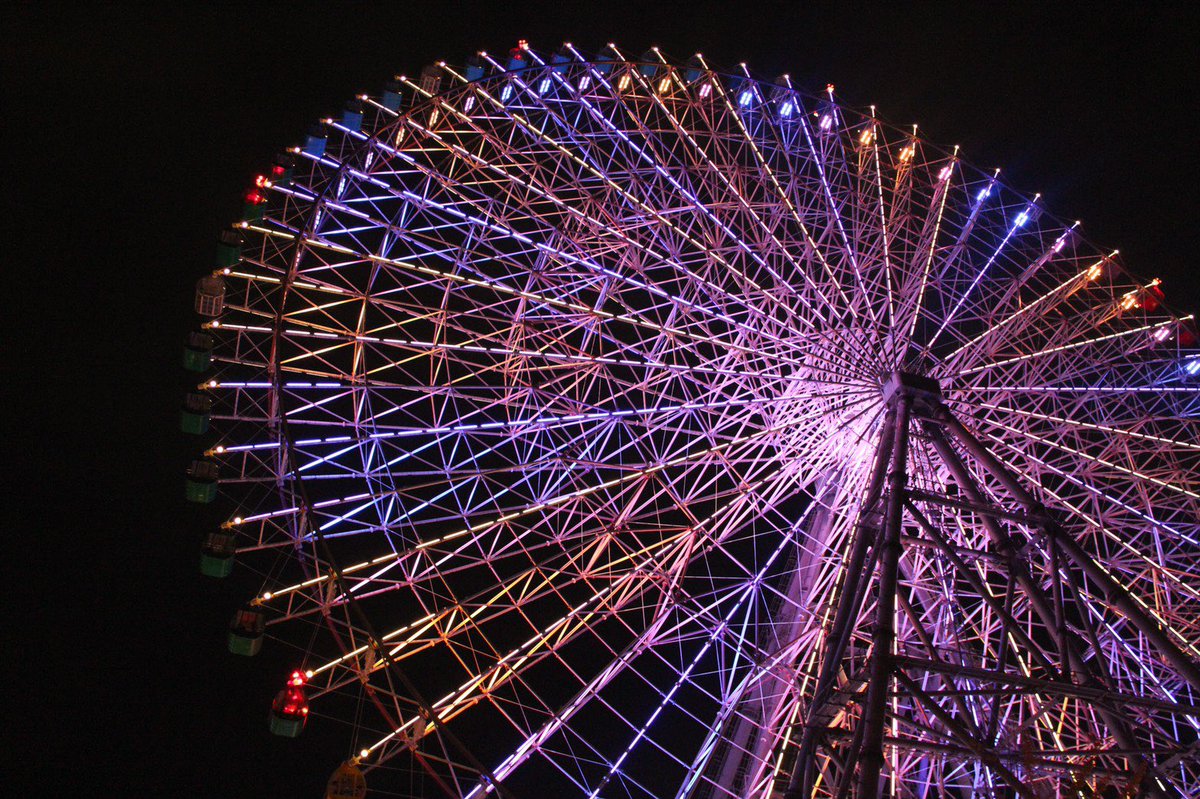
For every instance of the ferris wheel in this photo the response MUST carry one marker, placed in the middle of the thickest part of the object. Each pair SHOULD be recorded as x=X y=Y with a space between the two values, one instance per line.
x=608 y=426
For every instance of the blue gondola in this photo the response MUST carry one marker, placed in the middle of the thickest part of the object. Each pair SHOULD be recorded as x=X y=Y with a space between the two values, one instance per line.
x=352 y=116
x=474 y=68
x=315 y=141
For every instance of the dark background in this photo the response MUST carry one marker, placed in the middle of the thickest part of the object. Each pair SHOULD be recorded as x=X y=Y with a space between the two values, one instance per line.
x=129 y=133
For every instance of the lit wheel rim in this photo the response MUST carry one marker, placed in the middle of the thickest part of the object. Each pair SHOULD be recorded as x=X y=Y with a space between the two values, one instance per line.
x=525 y=392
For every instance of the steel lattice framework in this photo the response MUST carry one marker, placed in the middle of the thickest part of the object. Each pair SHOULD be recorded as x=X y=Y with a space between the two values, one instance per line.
x=618 y=427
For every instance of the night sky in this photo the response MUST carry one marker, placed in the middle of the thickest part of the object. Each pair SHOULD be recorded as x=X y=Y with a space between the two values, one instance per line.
x=129 y=135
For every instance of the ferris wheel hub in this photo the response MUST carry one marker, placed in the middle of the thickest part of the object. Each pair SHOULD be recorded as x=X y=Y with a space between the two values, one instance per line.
x=918 y=387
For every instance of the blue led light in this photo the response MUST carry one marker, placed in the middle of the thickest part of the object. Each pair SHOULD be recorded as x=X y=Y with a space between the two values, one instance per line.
x=1021 y=219
x=745 y=97
x=786 y=109
x=983 y=194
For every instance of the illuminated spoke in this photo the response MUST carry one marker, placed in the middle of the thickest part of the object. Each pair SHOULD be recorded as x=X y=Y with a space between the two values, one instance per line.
x=617 y=427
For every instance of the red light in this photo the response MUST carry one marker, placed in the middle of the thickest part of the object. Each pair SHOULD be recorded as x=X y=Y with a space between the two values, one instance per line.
x=277 y=171
x=255 y=197
x=1152 y=297
x=291 y=701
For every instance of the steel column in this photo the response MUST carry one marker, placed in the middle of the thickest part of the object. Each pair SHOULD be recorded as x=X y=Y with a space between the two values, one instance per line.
x=885 y=625
x=848 y=603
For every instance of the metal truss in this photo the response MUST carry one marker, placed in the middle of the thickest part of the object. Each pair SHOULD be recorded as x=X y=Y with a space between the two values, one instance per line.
x=617 y=427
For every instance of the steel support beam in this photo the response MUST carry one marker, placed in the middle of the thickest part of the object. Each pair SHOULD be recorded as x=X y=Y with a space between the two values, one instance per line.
x=879 y=552
x=1113 y=590
x=878 y=688
x=849 y=600
x=1116 y=720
